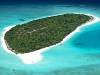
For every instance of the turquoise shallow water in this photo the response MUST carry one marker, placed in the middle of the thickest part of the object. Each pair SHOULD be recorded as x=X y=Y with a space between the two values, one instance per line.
x=80 y=55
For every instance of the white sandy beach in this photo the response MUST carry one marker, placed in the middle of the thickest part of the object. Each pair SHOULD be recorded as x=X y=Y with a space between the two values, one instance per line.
x=36 y=56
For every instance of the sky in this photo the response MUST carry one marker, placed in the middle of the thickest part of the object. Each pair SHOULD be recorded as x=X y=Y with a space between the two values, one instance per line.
x=93 y=2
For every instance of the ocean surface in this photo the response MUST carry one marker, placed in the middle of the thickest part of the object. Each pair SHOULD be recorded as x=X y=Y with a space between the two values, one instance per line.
x=80 y=55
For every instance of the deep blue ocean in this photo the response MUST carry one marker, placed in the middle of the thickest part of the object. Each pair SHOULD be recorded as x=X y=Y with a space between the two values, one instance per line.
x=80 y=55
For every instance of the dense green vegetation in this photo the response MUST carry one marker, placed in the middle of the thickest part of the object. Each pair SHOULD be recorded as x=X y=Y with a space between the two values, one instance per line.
x=43 y=32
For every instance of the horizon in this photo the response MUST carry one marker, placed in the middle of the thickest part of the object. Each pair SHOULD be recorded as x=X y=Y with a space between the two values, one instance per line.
x=92 y=2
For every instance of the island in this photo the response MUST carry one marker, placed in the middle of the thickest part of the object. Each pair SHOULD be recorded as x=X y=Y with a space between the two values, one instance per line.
x=44 y=32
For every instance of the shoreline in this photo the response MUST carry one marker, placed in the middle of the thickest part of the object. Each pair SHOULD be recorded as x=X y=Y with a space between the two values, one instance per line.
x=36 y=56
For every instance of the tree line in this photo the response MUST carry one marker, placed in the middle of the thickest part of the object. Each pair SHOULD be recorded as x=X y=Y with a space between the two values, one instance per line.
x=43 y=32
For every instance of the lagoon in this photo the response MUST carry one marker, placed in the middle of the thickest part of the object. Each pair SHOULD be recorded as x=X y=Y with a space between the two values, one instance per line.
x=63 y=59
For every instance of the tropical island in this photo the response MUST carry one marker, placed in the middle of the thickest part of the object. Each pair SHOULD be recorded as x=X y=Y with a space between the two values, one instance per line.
x=41 y=33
